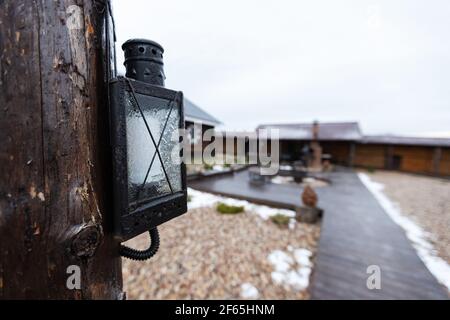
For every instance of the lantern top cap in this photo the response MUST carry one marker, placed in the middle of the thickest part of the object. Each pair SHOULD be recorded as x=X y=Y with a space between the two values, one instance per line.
x=133 y=42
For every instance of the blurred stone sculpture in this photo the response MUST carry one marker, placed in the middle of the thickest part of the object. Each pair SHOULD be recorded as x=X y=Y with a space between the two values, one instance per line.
x=309 y=213
x=309 y=197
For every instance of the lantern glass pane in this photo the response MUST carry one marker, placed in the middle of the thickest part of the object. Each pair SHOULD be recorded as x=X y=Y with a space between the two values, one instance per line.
x=148 y=177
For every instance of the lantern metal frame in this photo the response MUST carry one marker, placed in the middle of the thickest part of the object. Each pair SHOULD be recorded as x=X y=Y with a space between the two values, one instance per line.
x=132 y=220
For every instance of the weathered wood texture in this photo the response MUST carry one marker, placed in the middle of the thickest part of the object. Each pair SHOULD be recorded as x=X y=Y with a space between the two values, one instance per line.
x=54 y=185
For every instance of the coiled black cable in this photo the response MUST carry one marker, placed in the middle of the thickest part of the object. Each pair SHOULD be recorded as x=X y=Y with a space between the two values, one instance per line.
x=138 y=255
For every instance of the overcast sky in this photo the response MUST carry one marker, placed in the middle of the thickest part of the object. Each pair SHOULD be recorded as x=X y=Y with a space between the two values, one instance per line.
x=385 y=64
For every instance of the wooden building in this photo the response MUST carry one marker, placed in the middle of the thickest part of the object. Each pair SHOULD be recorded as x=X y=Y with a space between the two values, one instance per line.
x=418 y=155
x=346 y=145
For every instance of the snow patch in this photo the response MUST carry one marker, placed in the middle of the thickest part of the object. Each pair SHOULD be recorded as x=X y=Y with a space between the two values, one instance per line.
x=202 y=199
x=283 y=180
x=281 y=261
x=293 y=269
x=303 y=257
x=220 y=168
x=249 y=291
x=425 y=250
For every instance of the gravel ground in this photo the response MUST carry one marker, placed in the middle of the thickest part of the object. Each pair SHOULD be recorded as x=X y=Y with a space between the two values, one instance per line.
x=425 y=200
x=206 y=255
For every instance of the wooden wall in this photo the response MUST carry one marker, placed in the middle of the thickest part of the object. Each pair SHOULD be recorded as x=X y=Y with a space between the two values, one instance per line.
x=370 y=156
x=414 y=159
x=340 y=151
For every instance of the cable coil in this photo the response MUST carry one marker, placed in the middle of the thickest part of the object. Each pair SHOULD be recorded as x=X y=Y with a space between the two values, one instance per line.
x=144 y=255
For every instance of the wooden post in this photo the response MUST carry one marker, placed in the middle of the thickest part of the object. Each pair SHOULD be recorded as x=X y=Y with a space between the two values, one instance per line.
x=54 y=157
x=437 y=156
x=389 y=158
x=351 y=157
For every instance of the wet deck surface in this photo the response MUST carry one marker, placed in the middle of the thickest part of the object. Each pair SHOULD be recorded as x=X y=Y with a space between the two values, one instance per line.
x=356 y=233
x=238 y=186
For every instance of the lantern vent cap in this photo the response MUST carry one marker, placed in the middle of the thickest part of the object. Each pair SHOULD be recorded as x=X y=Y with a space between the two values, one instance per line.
x=133 y=42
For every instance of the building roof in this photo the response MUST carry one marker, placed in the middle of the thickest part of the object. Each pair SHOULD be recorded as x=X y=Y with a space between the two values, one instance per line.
x=195 y=114
x=239 y=134
x=402 y=140
x=343 y=131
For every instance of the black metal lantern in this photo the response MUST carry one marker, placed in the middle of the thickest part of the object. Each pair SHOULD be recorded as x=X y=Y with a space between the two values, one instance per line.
x=149 y=183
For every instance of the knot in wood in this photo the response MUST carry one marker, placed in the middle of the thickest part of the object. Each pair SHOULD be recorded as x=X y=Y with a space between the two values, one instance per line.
x=86 y=241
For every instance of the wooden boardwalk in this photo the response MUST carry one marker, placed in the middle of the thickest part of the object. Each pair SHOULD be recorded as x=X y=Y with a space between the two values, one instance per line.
x=356 y=233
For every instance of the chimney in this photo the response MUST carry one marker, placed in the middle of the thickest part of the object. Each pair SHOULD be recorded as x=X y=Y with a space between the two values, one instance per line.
x=315 y=131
